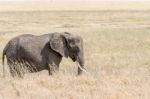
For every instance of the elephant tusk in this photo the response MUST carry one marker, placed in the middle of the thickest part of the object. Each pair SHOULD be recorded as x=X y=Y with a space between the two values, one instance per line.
x=83 y=69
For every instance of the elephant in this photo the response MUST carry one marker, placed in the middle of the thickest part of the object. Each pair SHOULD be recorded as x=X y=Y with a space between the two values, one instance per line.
x=43 y=52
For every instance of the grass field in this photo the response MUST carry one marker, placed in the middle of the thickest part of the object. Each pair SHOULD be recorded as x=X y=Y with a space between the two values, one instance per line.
x=117 y=55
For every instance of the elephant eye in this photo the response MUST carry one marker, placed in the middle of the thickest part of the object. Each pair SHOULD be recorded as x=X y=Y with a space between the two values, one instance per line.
x=72 y=42
x=77 y=41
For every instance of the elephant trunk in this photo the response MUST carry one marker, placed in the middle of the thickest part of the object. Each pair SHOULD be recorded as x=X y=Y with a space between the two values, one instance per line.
x=80 y=60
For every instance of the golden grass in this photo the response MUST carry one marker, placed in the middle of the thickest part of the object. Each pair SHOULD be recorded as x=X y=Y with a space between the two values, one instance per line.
x=117 y=55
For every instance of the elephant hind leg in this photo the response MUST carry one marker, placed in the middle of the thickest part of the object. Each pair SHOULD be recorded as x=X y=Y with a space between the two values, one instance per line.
x=14 y=68
x=12 y=72
x=11 y=67
x=20 y=70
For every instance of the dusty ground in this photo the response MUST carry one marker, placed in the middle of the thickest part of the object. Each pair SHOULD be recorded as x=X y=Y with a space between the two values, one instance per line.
x=117 y=55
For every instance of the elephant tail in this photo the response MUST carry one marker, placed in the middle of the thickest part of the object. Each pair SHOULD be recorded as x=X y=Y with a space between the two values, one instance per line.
x=3 y=59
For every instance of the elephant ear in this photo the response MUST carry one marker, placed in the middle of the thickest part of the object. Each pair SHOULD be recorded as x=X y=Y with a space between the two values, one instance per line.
x=58 y=44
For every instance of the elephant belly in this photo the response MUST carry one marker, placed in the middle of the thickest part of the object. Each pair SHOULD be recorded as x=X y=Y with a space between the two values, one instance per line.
x=39 y=63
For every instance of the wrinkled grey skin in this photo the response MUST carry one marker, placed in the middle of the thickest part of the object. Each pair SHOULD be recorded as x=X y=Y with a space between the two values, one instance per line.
x=44 y=51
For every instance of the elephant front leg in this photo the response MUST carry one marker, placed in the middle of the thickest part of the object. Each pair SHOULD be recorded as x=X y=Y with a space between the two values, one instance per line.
x=56 y=68
x=53 y=68
x=50 y=72
x=49 y=69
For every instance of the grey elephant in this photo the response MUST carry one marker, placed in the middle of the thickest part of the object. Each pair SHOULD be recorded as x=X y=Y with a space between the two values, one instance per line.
x=43 y=52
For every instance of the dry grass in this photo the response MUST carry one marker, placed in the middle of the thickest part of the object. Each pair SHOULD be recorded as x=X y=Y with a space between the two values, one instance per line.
x=117 y=55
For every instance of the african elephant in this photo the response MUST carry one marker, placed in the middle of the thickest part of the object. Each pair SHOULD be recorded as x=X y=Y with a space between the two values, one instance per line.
x=44 y=51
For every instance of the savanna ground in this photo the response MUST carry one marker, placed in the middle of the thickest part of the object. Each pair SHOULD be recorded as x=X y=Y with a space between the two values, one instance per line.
x=117 y=55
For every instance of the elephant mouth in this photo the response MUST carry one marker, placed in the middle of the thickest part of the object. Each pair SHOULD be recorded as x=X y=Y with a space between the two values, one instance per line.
x=73 y=58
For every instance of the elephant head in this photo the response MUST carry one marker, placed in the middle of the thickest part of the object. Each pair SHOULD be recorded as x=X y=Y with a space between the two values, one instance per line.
x=68 y=45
